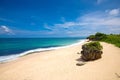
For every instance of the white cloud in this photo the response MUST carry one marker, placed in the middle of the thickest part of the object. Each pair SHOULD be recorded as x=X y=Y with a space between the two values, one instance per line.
x=89 y=24
x=114 y=12
x=5 y=30
x=65 y=25
x=101 y=21
x=92 y=20
x=47 y=27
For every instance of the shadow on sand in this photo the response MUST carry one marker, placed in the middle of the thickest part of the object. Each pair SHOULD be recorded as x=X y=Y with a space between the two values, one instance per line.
x=80 y=61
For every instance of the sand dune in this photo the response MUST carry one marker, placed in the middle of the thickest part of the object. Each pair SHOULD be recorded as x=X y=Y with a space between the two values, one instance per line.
x=61 y=65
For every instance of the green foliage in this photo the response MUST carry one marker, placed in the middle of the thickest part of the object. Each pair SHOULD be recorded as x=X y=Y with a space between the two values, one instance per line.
x=100 y=36
x=94 y=46
x=97 y=36
x=112 y=38
x=91 y=37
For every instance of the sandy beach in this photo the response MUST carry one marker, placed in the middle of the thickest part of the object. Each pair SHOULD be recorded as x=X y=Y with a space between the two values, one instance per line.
x=60 y=64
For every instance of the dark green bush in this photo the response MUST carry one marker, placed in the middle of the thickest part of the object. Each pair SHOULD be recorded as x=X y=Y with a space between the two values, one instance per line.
x=100 y=36
x=111 y=38
x=91 y=37
x=97 y=36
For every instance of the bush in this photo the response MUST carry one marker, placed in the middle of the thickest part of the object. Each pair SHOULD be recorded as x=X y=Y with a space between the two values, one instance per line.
x=97 y=36
x=100 y=36
x=91 y=37
x=91 y=51
x=111 y=38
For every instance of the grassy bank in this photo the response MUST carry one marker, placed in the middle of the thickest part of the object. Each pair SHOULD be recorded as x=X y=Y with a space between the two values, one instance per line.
x=109 y=38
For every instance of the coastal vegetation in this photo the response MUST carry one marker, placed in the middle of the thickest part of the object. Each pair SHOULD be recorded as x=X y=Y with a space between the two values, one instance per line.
x=109 y=38
x=91 y=51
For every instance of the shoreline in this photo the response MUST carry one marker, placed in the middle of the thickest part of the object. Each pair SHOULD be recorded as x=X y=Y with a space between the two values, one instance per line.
x=9 y=58
x=60 y=64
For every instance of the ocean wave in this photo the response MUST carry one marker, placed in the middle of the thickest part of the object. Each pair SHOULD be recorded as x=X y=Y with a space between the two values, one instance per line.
x=15 y=56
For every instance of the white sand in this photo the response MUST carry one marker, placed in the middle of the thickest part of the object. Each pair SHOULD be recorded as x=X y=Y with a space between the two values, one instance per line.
x=61 y=65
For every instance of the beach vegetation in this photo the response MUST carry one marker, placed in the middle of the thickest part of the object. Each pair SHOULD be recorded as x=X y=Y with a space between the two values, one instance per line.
x=109 y=38
x=97 y=36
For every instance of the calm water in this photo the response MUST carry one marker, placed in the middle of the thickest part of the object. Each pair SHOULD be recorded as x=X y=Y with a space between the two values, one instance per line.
x=10 y=46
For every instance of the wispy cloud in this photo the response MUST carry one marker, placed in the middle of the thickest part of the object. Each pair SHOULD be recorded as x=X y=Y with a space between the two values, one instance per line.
x=47 y=27
x=100 y=21
x=66 y=24
x=99 y=1
x=107 y=21
x=92 y=19
x=6 y=30
x=114 y=12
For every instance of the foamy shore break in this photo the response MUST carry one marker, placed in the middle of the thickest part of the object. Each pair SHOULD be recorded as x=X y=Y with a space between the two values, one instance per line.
x=15 y=56
x=60 y=64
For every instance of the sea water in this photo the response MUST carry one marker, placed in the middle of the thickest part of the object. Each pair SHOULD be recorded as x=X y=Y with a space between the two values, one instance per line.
x=12 y=48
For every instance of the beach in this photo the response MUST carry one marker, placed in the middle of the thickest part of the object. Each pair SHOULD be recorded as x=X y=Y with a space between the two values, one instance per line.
x=60 y=64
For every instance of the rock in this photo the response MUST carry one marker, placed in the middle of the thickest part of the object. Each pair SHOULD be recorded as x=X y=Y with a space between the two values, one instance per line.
x=80 y=64
x=91 y=51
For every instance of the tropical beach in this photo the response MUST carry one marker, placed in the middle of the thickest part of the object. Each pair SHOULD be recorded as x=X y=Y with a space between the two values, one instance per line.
x=60 y=64
x=59 y=39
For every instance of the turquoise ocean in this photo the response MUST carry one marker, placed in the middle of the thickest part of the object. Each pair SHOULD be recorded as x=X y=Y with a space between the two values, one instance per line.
x=12 y=48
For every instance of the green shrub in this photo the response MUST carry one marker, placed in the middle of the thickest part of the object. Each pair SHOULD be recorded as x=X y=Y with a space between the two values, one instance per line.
x=94 y=45
x=111 y=38
x=91 y=37
x=100 y=36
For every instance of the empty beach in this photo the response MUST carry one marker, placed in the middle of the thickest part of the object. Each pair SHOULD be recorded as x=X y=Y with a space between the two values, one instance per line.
x=60 y=64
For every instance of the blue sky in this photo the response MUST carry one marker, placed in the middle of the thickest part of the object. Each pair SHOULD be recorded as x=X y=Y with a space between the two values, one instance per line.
x=58 y=18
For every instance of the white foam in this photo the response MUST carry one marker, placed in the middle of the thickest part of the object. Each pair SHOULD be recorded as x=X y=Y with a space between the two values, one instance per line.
x=15 y=56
